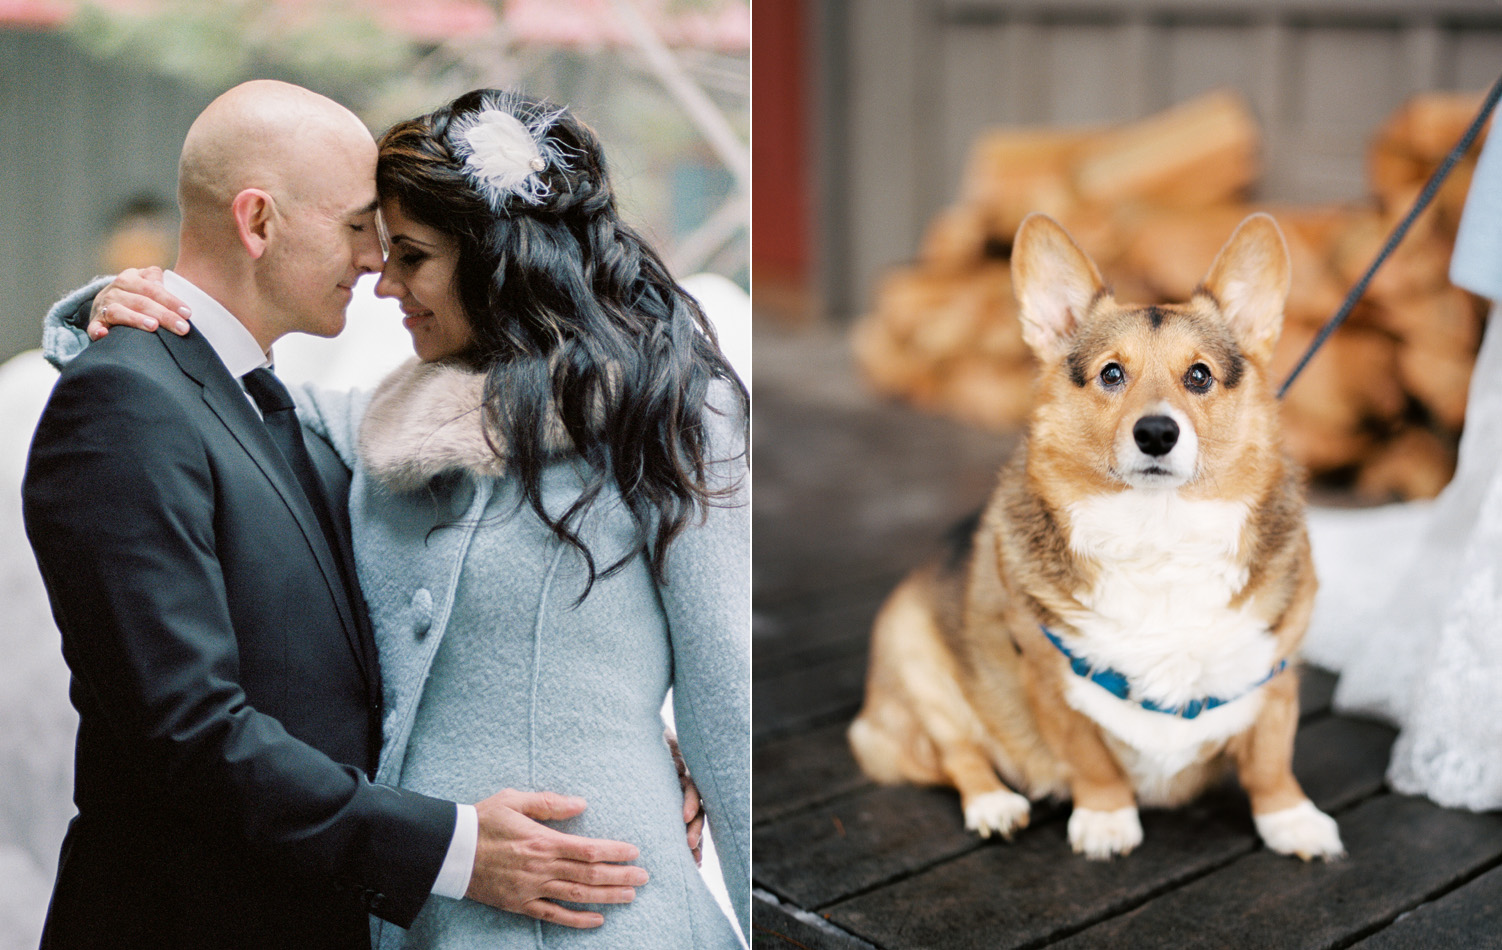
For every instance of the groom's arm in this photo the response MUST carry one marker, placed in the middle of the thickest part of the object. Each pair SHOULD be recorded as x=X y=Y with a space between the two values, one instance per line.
x=119 y=504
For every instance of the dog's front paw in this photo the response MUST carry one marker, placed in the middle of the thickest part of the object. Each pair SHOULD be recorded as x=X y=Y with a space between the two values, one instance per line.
x=1302 y=830
x=1000 y=812
x=1101 y=835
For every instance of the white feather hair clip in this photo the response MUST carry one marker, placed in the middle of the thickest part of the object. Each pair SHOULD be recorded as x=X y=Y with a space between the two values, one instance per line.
x=503 y=155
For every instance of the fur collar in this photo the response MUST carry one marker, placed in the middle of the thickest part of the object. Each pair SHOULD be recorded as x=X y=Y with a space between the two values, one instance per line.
x=425 y=419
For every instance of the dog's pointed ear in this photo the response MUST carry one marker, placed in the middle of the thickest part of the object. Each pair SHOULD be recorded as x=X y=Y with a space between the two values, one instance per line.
x=1249 y=281
x=1055 y=283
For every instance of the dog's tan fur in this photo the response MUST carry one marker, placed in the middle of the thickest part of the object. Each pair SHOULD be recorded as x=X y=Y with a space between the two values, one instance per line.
x=964 y=689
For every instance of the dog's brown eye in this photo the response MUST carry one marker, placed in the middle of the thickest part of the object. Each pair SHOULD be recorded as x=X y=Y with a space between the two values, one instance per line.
x=1198 y=379
x=1112 y=375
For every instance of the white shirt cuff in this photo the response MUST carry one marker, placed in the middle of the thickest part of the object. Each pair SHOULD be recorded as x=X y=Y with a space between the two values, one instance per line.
x=459 y=863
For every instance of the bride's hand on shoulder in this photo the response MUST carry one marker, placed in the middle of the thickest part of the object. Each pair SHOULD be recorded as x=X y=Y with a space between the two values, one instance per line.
x=137 y=297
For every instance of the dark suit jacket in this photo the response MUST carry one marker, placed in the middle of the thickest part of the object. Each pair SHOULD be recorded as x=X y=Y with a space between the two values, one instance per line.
x=223 y=672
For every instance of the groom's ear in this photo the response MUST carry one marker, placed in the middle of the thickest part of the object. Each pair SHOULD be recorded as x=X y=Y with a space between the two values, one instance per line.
x=252 y=210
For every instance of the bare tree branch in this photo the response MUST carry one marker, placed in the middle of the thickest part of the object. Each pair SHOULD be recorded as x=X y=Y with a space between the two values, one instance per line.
x=704 y=114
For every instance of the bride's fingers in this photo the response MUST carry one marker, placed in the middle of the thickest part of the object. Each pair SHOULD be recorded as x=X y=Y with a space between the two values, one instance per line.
x=553 y=914
x=148 y=281
x=693 y=818
x=696 y=837
x=105 y=316
x=114 y=308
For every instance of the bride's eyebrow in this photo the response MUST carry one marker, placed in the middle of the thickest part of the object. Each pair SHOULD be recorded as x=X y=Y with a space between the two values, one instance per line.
x=404 y=239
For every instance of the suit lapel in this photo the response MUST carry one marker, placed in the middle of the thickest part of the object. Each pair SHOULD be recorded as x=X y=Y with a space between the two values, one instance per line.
x=225 y=398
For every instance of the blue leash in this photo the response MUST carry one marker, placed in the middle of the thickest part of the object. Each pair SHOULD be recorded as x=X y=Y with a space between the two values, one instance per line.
x=1117 y=685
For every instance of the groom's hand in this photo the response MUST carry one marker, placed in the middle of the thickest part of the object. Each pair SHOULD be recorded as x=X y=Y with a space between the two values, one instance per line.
x=523 y=866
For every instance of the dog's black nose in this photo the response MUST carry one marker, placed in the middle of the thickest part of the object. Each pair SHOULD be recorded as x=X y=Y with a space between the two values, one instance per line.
x=1156 y=435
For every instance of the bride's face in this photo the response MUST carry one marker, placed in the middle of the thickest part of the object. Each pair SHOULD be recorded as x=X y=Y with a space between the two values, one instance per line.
x=419 y=274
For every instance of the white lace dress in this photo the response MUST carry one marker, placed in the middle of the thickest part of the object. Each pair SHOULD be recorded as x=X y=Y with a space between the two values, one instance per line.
x=1410 y=603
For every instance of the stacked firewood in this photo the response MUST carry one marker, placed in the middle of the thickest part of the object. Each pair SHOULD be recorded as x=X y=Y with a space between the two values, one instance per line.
x=1381 y=406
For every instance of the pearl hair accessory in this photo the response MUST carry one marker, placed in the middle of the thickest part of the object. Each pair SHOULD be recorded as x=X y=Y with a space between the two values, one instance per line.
x=503 y=155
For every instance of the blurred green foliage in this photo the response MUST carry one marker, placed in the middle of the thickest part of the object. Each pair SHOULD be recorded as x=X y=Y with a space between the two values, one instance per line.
x=339 y=48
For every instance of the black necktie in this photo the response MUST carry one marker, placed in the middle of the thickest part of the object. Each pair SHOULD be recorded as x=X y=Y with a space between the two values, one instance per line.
x=277 y=410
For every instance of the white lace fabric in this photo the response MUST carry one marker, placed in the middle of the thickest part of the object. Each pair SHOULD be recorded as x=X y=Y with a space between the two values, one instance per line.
x=1410 y=604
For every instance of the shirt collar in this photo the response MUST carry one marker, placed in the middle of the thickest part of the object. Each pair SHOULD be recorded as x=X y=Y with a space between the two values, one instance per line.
x=236 y=348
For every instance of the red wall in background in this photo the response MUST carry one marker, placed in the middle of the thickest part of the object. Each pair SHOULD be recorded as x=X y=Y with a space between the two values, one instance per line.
x=779 y=145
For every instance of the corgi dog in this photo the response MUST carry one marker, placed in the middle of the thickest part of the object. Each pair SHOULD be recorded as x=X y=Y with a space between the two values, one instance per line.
x=1120 y=627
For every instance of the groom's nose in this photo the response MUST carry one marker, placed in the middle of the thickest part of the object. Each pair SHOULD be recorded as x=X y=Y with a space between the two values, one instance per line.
x=368 y=251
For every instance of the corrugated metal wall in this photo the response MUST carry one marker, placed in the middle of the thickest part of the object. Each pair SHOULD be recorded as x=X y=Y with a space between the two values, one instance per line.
x=907 y=84
x=78 y=139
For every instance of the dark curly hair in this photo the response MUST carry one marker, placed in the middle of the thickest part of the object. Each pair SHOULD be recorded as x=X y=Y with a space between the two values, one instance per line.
x=575 y=318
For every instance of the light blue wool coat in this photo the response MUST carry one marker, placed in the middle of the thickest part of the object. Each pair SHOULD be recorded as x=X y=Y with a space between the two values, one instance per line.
x=495 y=677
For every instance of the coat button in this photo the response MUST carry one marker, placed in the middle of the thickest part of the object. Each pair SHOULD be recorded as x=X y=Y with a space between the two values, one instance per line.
x=422 y=612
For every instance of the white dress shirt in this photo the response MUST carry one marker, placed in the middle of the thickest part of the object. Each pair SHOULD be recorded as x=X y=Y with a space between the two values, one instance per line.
x=238 y=350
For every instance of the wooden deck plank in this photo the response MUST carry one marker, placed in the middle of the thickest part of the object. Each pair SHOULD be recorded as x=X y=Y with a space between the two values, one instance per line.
x=814 y=695
x=850 y=536
x=898 y=842
x=1403 y=851
x=806 y=769
x=1316 y=686
x=1341 y=761
x=831 y=516
x=818 y=629
x=1469 y=917
x=776 y=926
x=1027 y=892
x=857 y=842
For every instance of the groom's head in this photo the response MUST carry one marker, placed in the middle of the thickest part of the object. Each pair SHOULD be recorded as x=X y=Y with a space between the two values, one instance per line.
x=277 y=190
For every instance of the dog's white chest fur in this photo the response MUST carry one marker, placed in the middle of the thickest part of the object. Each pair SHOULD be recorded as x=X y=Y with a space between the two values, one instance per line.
x=1160 y=614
